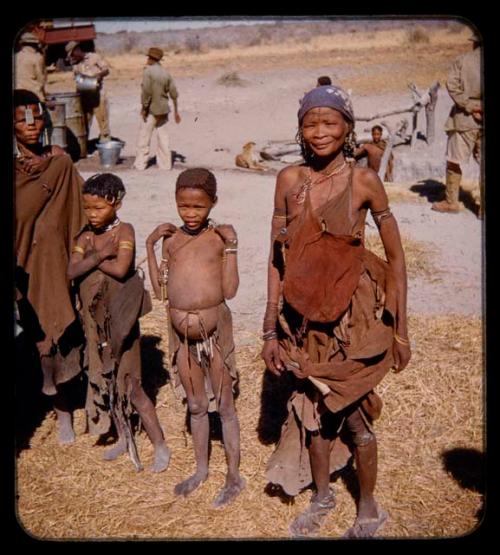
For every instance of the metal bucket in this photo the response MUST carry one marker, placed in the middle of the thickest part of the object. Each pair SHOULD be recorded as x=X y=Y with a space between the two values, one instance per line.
x=58 y=120
x=86 y=83
x=75 y=119
x=109 y=152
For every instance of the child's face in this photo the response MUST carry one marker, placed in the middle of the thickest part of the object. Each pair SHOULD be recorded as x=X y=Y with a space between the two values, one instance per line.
x=324 y=130
x=99 y=211
x=193 y=206
x=376 y=135
x=28 y=129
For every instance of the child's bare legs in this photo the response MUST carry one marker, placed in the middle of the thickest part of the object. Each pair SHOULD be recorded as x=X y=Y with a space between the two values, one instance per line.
x=149 y=418
x=65 y=430
x=121 y=445
x=194 y=384
x=230 y=430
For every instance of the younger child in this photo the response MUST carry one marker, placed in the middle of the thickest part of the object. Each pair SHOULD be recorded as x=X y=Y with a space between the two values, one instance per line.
x=374 y=150
x=199 y=259
x=112 y=299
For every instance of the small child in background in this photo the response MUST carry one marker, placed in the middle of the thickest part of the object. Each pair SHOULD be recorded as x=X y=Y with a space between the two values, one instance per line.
x=374 y=150
x=199 y=260
x=112 y=299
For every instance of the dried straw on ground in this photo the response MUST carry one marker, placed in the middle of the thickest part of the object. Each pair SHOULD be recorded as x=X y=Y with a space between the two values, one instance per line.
x=432 y=409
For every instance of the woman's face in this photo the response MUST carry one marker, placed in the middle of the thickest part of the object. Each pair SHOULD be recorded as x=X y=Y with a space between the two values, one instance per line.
x=28 y=126
x=324 y=130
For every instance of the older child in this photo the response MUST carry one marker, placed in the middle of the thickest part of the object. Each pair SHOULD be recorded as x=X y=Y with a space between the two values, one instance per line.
x=200 y=261
x=342 y=324
x=112 y=299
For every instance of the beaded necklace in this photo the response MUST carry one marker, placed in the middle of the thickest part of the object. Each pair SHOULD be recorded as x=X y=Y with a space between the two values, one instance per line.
x=309 y=183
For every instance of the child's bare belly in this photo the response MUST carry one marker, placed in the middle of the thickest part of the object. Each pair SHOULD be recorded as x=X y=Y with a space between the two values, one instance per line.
x=194 y=324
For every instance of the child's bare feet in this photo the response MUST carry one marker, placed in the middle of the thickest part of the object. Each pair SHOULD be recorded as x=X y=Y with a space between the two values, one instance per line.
x=65 y=432
x=162 y=458
x=116 y=451
x=230 y=490
x=189 y=485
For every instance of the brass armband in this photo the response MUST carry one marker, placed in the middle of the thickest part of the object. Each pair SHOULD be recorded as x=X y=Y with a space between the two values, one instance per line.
x=126 y=245
x=78 y=249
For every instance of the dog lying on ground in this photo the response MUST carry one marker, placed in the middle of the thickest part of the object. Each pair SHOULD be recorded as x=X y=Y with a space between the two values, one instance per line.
x=248 y=158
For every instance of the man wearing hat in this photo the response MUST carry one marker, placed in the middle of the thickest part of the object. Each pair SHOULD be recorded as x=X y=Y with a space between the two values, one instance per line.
x=30 y=72
x=464 y=125
x=157 y=86
x=94 y=102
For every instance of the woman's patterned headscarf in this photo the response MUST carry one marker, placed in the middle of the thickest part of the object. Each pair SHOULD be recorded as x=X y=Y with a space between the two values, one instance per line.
x=328 y=96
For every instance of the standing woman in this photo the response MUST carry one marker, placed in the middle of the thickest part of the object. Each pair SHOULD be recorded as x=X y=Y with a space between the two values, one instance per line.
x=335 y=315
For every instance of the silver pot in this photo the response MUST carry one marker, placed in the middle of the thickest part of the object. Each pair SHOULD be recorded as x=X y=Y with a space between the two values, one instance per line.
x=86 y=83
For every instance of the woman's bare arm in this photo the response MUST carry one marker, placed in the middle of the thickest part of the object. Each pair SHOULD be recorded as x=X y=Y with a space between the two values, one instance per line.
x=391 y=239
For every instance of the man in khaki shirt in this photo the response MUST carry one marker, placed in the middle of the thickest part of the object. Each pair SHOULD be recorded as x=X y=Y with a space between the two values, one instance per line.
x=30 y=72
x=464 y=125
x=94 y=102
x=157 y=86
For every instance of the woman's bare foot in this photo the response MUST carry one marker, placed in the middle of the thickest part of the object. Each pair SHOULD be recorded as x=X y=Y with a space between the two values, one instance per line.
x=116 y=451
x=189 y=485
x=162 y=458
x=310 y=520
x=230 y=490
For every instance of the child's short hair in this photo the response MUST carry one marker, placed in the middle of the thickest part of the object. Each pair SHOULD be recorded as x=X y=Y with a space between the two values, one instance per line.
x=379 y=127
x=198 y=178
x=105 y=185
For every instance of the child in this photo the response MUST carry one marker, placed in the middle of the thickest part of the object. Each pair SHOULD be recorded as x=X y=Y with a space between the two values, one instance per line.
x=112 y=299
x=374 y=150
x=200 y=260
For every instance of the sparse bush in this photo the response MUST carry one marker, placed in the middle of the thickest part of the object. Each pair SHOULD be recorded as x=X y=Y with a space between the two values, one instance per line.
x=231 y=79
x=416 y=35
x=193 y=44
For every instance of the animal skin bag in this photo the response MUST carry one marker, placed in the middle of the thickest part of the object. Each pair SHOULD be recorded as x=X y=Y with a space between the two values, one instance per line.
x=322 y=268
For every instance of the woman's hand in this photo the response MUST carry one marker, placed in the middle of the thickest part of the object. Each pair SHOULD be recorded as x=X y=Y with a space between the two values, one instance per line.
x=271 y=355
x=402 y=354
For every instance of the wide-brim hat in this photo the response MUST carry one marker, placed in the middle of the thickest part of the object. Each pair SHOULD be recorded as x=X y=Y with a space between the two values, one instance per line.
x=29 y=38
x=72 y=44
x=155 y=53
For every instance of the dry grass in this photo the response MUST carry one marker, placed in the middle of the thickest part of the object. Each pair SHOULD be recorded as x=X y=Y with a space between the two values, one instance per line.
x=432 y=410
x=419 y=256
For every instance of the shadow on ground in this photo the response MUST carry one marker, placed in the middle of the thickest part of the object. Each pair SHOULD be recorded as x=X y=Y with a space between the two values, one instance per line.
x=434 y=191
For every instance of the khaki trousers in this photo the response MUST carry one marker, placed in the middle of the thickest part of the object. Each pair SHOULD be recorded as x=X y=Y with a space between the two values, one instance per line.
x=96 y=104
x=163 y=154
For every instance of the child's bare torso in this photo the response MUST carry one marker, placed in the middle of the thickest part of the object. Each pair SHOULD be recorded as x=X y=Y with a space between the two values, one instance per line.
x=195 y=282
